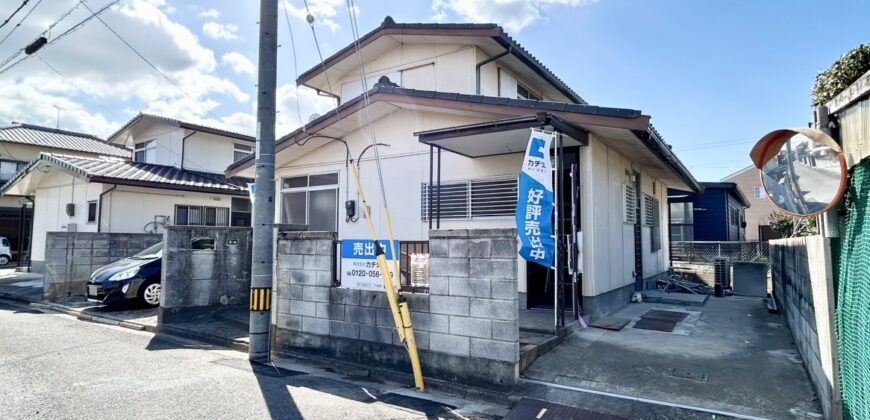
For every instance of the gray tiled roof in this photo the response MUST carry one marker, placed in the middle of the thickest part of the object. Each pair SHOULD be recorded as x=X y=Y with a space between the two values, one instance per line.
x=110 y=170
x=183 y=124
x=35 y=135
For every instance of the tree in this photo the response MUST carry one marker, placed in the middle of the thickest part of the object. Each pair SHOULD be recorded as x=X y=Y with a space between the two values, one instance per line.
x=845 y=71
x=789 y=226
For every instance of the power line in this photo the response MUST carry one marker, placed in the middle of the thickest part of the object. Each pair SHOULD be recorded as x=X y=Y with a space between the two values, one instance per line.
x=310 y=19
x=8 y=34
x=59 y=37
x=47 y=31
x=24 y=3
x=165 y=76
x=295 y=66
x=70 y=81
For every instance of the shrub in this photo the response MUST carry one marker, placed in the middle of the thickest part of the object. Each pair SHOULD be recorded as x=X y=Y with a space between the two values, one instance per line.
x=845 y=71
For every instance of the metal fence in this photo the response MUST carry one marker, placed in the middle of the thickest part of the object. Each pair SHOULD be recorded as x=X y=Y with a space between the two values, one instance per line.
x=699 y=252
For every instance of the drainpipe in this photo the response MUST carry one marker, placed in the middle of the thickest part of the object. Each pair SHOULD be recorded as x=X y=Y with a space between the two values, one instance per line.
x=100 y=212
x=328 y=95
x=487 y=61
x=182 y=148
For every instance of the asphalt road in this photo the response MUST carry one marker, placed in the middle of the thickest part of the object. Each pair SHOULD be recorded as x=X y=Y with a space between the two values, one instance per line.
x=54 y=366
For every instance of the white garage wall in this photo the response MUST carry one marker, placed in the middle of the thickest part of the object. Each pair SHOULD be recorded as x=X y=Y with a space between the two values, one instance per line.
x=56 y=190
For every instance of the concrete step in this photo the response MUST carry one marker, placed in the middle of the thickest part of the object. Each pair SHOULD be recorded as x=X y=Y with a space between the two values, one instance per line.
x=675 y=298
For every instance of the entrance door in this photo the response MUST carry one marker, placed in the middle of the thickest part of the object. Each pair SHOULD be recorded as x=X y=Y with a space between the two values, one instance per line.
x=540 y=281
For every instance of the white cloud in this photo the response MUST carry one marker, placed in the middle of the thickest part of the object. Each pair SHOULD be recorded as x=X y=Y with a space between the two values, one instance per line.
x=117 y=82
x=216 y=30
x=239 y=63
x=513 y=15
x=325 y=12
x=209 y=13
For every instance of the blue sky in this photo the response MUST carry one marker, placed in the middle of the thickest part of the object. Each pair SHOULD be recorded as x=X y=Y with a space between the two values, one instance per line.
x=714 y=75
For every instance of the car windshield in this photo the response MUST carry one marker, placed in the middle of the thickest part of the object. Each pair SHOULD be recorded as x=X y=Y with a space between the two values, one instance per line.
x=153 y=251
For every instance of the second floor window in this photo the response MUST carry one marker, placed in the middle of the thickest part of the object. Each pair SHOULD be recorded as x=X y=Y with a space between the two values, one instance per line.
x=759 y=193
x=145 y=152
x=524 y=93
x=8 y=169
x=241 y=151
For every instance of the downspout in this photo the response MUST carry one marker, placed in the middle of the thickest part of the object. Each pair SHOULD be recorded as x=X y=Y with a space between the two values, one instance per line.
x=100 y=213
x=29 y=238
x=182 y=148
x=487 y=61
x=328 y=95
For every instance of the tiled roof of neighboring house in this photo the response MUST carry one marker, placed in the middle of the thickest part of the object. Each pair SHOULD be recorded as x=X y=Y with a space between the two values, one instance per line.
x=649 y=135
x=183 y=124
x=491 y=30
x=109 y=170
x=35 y=135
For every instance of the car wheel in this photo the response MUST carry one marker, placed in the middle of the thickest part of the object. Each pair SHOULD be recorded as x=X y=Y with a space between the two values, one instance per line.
x=4 y=260
x=149 y=294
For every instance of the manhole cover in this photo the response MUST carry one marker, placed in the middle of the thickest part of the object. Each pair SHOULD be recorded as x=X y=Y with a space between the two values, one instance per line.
x=685 y=374
x=672 y=316
x=655 y=325
x=529 y=409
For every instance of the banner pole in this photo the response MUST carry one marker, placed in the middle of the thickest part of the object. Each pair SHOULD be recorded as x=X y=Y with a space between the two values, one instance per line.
x=556 y=242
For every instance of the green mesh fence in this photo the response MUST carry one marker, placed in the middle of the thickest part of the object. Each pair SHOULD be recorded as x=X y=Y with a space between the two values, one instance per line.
x=853 y=307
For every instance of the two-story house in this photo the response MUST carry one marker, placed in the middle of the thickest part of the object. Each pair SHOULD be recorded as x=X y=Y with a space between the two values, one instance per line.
x=452 y=106
x=172 y=173
x=21 y=144
x=758 y=215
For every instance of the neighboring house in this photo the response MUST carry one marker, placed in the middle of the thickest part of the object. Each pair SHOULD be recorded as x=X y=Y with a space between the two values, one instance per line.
x=174 y=177
x=716 y=214
x=758 y=214
x=22 y=143
x=453 y=104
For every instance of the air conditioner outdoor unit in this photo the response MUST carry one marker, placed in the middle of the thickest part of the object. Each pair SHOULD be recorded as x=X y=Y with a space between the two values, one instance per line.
x=722 y=274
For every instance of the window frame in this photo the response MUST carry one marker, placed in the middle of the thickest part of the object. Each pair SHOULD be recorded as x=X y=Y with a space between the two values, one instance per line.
x=96 y=212
x=248 y=152
x=203 y=210
x=147 y=146
x=530 y=94
x=759 y=193
x=484 y=198
x=19 y=165
x=307 y=189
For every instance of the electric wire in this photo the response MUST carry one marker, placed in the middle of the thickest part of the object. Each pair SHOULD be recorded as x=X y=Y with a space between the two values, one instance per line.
x=150 y=64
x=295 y=65
x=310 y=19
x=74 y=84
x=24 y=3
x=17 y=25
x=59 y=37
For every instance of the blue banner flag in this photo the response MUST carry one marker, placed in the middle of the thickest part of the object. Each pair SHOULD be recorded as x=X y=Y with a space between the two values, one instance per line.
x=535 y=202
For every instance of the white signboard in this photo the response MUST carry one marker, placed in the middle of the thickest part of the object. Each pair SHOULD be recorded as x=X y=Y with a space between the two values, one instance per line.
x=359 y=266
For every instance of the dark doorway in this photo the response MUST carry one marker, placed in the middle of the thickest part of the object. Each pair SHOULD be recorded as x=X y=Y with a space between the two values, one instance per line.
x=15 y=225
x=540 y=281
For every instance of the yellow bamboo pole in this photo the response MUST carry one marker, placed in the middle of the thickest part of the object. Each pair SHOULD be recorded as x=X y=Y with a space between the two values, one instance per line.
x=400 y=310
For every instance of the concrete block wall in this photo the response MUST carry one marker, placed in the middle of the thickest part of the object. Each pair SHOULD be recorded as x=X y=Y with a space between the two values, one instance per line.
x=466 y=327
x=803 y=285
x=195 y=280
x=71 y=257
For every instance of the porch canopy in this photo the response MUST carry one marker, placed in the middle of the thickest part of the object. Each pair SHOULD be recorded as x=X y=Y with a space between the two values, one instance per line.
x=501 y=137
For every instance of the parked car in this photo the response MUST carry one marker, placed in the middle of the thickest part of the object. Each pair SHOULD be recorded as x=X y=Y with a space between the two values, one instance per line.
x=5 y=251
x=134 y=278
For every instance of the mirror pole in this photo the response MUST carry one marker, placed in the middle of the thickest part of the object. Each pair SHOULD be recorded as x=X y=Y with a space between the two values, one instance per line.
x=829 y=222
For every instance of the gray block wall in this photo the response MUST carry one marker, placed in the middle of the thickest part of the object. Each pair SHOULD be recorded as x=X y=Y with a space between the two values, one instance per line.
x=71 y=257
x=195 y=280
x=803 y=285
x=466 y=327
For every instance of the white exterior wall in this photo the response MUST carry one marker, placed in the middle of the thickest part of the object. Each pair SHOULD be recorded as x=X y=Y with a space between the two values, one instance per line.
x=209 y=152
x=168 y=140
x=56 y=190
x=608 y=242
x=444 y=68
x=124 y=209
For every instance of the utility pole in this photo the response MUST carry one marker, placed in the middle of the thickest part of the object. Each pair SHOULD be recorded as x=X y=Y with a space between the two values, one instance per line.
x=58 y=116
x=264 y=193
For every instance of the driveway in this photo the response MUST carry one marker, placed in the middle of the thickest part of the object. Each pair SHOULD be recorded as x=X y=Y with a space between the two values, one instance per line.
x=729 y=355
x=24 y=285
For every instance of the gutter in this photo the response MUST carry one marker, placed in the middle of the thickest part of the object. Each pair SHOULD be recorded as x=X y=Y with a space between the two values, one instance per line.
x=100 y=213
x=509 y=50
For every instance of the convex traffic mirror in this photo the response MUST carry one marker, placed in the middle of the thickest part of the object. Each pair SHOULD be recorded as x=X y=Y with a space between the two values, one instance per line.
x=803 y=170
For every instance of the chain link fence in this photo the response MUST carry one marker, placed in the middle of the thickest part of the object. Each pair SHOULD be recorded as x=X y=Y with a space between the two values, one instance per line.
x=699 y=252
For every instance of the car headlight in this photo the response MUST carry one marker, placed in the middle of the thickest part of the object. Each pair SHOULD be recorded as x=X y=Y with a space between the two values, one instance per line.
x=124 y=275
